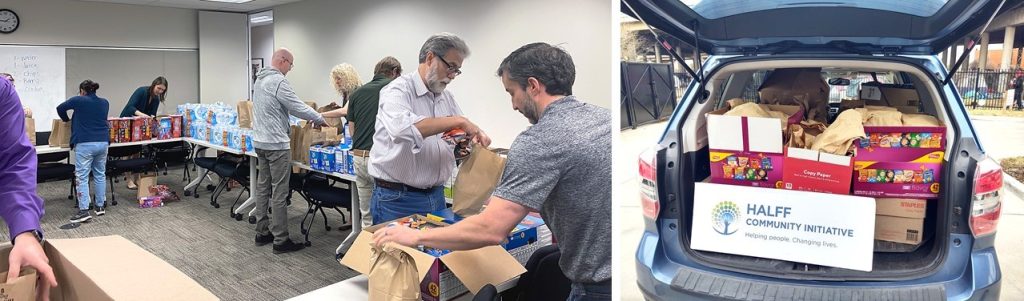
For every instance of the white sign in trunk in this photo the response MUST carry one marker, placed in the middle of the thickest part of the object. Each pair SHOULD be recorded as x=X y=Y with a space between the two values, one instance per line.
x=807 y=227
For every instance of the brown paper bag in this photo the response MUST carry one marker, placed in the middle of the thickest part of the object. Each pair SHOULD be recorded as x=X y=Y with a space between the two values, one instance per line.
x=883 y=118
x=331 y=122
x=22 y=288
x=60 y=134
x=145 y=182
x=477 y=178
x=802 y=87
x=758 y=110
x=30 y=129
x=244 y=114
x=839 y=136
x=735 y=102
x=803 y=134
x=920 y=120
x=294 y=141
x=331 y=134
x=393 y=276
x=310 y=136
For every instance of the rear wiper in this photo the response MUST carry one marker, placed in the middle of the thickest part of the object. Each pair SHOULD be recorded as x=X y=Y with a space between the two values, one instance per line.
x=970 y=45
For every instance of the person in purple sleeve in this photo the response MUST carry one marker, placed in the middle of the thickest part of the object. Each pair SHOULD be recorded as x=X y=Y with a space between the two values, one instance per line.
x=20 y=206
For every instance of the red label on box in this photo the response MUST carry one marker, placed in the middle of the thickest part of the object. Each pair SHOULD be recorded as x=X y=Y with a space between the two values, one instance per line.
x=815 y=176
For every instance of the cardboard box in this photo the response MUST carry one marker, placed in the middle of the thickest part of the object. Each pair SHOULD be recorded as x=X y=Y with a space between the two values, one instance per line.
x=748 y=150
x=86 y=270
x=474 y=268
x=899 y=162
x=909 y=208
x=899 y=229
x=815 y=171
x=889 y=95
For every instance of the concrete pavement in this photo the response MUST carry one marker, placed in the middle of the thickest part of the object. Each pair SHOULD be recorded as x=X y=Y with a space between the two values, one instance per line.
x=1002 y=137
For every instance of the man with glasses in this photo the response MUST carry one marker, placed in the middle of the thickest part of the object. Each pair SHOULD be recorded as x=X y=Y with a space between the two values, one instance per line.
x=409 y=161
x=273 y=100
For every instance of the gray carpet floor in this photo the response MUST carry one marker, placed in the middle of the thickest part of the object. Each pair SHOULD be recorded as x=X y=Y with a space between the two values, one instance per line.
x=205 y=243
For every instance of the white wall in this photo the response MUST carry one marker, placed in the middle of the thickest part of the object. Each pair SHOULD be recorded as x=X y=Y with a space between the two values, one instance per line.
x=322 y=33
x=262 y=41
x=223 y=57
x=81 y=23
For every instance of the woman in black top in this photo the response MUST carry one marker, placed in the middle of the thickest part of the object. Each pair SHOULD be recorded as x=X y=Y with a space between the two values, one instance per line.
x=146 y=100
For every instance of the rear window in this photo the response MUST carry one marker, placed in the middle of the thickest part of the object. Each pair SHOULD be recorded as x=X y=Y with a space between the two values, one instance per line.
x=714 y=9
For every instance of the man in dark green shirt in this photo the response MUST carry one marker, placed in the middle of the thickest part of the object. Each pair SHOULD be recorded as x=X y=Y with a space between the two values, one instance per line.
x=362 y=115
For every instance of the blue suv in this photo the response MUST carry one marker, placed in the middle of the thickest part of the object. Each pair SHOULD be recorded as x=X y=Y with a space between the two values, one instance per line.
x=894 y=42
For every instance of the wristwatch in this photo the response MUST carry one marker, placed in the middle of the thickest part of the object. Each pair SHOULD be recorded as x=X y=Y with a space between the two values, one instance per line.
x=35 y=232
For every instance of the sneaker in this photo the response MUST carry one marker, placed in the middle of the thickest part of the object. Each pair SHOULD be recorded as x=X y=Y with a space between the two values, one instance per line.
x=81 y=216
x=100 y=210
x=262 y=240
x=287 y=246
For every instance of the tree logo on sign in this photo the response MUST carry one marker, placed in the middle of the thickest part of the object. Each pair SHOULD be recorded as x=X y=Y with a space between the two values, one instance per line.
x=723 y=215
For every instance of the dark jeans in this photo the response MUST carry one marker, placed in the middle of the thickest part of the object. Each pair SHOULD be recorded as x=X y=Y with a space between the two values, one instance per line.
x=389 y=204
x=591 y=292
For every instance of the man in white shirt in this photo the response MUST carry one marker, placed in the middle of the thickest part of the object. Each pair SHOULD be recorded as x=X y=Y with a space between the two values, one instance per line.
x=409 y=161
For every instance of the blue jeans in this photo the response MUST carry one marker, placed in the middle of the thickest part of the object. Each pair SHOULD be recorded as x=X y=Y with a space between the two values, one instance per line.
x=389 y=204
x=91 y=156
x=591 y=292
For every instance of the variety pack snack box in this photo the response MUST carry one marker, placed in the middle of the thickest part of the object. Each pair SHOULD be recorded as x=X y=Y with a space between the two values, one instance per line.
x=748 y=151
x=899 y=162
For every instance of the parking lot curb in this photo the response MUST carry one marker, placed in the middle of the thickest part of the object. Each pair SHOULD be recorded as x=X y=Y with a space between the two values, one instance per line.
x=1013 y=186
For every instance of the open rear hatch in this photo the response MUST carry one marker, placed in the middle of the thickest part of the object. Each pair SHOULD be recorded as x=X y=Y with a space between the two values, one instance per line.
x=773 y=26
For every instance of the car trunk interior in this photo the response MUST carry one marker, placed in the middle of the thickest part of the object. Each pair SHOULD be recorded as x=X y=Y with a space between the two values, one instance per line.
x=741 y=79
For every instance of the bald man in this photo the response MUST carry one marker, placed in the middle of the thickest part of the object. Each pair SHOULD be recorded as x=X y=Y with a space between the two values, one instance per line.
x=273 y=100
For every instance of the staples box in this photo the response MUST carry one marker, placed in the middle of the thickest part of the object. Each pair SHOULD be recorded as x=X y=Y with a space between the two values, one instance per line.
x=86 y=270
x=815 y=171
x=899 y=229
x=748 y=150
x=474 y=269
x=899 y=162
x=909 y=208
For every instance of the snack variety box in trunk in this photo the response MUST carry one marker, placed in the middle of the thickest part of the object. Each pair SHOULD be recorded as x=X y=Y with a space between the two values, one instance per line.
x=748 y=151
x=899 y=162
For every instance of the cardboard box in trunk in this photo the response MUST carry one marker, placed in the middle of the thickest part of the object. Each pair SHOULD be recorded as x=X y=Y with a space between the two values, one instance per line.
x=909 y=208
x=747 y=150
x=889 y=95
x=474 y=268
x=816 y=171
x=899 y=162
x=899 y=229
x=85 y=270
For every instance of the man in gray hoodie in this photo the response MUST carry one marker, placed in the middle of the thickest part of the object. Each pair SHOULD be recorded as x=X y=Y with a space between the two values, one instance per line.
x=273 y=100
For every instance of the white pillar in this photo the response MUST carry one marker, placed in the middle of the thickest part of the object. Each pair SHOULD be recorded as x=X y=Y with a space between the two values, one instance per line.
x=1011 y=31
x=983 y=52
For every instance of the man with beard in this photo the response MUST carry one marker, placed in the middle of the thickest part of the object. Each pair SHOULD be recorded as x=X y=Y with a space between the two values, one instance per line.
x=559 y=167
x=409 y=160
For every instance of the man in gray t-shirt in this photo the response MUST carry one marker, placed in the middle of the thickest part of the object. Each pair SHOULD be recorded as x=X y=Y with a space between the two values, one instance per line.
x=561 y=167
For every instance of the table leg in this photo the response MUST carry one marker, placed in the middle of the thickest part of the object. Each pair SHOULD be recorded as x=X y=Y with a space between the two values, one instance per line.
x=357 y=221
x=252 y=188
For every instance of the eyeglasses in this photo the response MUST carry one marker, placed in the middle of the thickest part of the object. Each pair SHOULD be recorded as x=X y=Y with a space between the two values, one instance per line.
x=290 y=63
x=451 y=70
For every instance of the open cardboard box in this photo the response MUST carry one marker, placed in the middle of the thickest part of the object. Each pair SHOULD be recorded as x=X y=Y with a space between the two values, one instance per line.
x=475 y=268
x=747 y=151
x=814 y=171
x=112 y=268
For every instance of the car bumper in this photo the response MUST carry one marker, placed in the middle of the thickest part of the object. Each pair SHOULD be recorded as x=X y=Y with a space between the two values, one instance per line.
x=661 y=279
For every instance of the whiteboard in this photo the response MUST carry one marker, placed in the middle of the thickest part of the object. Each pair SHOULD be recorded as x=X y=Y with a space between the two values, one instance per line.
x=38 y=79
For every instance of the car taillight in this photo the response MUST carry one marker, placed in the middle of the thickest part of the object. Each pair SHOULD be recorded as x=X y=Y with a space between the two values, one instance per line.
x=649 y=184
x=986 y=201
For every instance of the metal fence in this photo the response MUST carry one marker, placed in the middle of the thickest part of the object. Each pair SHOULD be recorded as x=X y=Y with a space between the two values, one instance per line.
x=986 y=89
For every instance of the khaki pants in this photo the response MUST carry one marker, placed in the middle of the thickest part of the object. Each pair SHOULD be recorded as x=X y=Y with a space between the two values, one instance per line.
x=364 y=187
x=271 y=190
